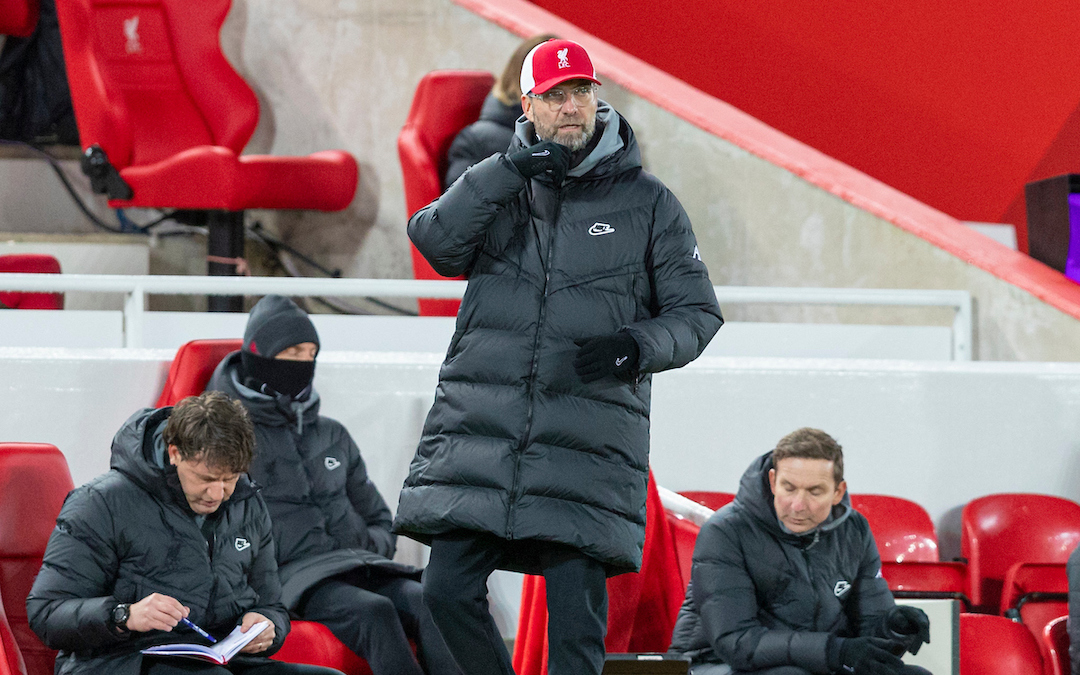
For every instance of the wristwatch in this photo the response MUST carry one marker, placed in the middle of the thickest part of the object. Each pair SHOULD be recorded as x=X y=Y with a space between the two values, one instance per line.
x=119 y=617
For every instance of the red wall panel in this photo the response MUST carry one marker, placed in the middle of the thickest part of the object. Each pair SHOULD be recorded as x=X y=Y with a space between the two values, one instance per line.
x=955 y=103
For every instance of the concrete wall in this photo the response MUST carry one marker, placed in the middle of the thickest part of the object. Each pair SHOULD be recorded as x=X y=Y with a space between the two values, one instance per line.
x=342 y=75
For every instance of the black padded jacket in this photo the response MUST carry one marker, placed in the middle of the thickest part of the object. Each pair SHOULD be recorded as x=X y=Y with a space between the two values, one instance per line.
x=129 y=533
x=516 y=445
x=328 y=517
x=760 y=597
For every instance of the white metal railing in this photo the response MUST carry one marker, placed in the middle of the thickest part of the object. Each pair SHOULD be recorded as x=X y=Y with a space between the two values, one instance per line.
x=135 y=289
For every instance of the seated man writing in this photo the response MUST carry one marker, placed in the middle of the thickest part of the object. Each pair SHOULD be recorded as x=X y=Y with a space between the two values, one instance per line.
x=172 y=537
x=331 y=525
x=787 y=579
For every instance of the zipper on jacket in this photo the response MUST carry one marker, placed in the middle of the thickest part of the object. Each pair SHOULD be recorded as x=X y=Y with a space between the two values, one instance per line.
x=810 y=574
x=534 y=366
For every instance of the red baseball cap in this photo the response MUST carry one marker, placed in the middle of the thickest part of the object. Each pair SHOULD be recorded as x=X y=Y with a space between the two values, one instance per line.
x=553 y=62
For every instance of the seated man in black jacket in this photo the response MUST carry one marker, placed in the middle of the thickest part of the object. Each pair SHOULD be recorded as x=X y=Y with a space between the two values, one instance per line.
x=787 y=579
x=331 y=525
x=173 y=535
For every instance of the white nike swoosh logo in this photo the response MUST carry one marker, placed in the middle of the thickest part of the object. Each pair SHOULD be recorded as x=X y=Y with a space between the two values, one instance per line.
x=621 y=360
x=600 y=228
x=541 y=154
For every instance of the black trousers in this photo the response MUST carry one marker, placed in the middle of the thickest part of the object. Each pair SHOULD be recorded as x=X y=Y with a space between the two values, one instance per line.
x=455 y=590
x=177 y=666
x=375 y=617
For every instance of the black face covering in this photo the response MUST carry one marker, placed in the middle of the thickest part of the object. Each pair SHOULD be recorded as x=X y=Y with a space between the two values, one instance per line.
x=290 y=378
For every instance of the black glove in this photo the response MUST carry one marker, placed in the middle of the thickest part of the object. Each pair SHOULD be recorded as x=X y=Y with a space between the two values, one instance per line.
x=908 y=625
x=544 y=156
x=870 y=656
x=616 y=354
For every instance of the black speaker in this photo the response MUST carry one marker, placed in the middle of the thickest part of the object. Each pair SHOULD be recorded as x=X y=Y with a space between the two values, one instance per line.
x=646 y=664
x=1053 y=219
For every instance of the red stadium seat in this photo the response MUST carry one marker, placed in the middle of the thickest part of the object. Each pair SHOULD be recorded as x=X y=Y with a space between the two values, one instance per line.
x=192 y=367
x=34 y=481
x=30 y=263
x=712 y=500
x=993 y=645
x=908 y=548
x=642 y=607
x=11 y=662
x=1055 y=642
x=998 y=531
x=313 y=643
x=446 y=101
x=18 y=17
x=1036 y=594
x=684 y=533
x=152 y=89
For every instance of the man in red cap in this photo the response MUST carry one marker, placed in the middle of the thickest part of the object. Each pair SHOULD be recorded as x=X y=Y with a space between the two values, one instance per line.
x=584 y=278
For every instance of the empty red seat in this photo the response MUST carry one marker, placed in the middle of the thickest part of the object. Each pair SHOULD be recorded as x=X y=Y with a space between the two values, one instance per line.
x=1055 y=640
x=712 y=500
x=30 y=263
x=34 y=481
x=445 y=102
x=994 y=645
x=1036 y=594
x=998 y=531
x=18 y=17
x=192 y=368
x=907 y=544
x=164 y=118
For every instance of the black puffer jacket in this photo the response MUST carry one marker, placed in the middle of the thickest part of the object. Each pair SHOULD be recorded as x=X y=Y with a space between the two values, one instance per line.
x=760 y=597
x=130 y=533
x=328 y=517
x=516 y=444
x=483 y=138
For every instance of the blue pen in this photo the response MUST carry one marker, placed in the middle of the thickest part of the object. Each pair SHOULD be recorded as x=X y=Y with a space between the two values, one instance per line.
x=198 y=630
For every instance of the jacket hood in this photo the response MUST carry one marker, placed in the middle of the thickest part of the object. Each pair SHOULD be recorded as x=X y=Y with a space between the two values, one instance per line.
x=138 y=453
x=277 y=411
x=756 y=498
x=498 y=112
x=616 y=152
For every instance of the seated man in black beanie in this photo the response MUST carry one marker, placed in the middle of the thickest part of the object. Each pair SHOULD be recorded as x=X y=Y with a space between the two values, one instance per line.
x=331 y=525
x=787 y=579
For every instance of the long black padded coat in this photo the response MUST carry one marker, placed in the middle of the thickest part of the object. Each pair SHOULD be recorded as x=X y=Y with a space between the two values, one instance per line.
x=760 y=597
x=328 y=517
x=516 y=445
x=129 y=533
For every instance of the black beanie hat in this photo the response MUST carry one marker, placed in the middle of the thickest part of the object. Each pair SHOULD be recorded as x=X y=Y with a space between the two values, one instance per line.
x=277 y=323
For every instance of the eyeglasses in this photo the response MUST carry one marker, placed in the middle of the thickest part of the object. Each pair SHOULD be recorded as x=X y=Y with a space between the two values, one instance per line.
x=556 y=98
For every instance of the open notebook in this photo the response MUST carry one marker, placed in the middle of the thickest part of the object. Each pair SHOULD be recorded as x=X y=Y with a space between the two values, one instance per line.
x=219 y=653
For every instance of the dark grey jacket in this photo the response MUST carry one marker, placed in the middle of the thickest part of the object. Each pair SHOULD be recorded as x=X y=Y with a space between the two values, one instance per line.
x=516 y=444
x=760 y=597
x=483 y=138
x=130 y=533
x=328 y=517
